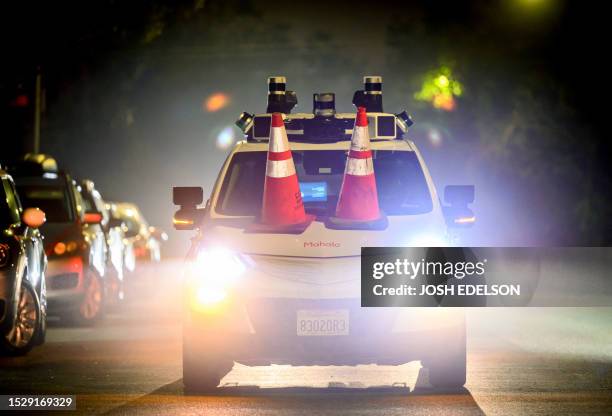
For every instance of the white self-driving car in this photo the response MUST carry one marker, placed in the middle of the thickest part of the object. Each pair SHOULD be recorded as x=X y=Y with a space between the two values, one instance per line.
x=272 y=298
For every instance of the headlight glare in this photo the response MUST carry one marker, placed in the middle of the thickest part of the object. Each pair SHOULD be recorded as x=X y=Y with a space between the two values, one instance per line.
x=219 y=265
x=211 y=276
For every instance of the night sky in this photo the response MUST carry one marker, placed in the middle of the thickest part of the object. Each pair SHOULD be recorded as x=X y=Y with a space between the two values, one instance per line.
x=127 y=82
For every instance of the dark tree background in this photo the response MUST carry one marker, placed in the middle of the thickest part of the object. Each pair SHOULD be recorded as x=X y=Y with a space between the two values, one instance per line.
x=125 y=83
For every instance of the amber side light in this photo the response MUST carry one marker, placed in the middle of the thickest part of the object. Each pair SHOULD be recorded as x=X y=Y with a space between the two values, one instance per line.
x=34 y=217
x=182 y=222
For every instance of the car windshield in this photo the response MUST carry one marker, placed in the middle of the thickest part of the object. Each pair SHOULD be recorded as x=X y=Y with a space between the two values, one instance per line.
x=50 y=195
x=402 y=189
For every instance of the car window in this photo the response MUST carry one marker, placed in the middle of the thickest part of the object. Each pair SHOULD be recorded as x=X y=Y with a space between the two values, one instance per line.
x=50 y=195
x=401 y=184
x=9 y=205
x=78 y=201
x=88 y=201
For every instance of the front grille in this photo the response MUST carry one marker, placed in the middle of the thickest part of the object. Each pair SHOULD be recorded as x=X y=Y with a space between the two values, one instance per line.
x=317 y=271
x=65 y=281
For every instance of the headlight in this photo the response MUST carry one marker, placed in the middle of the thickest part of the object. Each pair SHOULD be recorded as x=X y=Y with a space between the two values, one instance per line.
x=219 y=264
x=212 y=274
x=208 y=296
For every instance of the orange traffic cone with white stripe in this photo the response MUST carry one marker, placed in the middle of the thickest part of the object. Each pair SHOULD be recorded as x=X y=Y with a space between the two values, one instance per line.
x=282 y=208
x=358 y=199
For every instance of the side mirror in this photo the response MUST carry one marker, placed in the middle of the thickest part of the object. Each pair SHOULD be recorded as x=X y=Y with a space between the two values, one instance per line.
x=458 y=214
x=187 y=195
x=92 y=218
x=34 y=217
x=188 y=198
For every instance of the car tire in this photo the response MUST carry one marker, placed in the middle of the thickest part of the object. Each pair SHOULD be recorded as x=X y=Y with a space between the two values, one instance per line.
x=41 y=333
x=27 y=323
x=202 y=369
x=91 y=307
x=447 y=366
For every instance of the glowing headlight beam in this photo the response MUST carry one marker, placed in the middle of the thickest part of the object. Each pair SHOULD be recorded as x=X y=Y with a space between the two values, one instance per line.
x=207 y=296
x=219 y=265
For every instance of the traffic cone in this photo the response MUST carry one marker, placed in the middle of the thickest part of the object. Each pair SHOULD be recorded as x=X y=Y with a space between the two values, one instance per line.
x=282 y=208
x=358 y=199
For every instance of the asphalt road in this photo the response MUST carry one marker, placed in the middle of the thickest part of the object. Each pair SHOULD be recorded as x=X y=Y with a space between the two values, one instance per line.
x=520 y=361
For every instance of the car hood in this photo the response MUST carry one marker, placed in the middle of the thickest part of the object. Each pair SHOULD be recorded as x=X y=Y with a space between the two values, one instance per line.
x=320 y=241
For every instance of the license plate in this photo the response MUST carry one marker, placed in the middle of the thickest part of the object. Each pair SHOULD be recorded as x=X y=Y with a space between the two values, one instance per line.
x=321 y=323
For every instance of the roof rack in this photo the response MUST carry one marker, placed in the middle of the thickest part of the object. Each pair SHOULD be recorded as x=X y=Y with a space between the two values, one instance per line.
x=324 y=125
x=310 y=128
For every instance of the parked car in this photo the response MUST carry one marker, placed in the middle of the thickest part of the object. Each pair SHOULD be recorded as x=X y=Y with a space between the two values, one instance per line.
x=145 y=239
x=129 y=257
x=23 y=303
x=114 y=232
x=74 y=241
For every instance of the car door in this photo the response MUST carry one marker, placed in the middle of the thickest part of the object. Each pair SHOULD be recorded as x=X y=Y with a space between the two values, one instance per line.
x=31 y=239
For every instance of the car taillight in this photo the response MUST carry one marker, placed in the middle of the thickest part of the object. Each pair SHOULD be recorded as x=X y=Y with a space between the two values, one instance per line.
x=60 y=248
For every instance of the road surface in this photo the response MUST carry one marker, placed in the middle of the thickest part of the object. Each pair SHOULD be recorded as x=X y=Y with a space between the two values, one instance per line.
x=520 y=361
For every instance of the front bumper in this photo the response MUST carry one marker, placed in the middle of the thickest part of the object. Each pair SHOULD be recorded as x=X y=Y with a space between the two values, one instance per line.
x=262 y=331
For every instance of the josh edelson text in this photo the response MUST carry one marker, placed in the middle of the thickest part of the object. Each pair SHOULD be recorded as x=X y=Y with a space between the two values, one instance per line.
x=436 y=278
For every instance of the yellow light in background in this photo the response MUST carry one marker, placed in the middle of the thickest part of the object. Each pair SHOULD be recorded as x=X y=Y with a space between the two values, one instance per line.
x=532 y=3
x=442 y=81
x=216 y=102
x=440 y=89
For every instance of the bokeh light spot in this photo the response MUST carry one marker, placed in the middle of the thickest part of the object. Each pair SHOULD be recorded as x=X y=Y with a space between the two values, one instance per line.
x=440 y=89
x=216 y=102
x=444 y=102
x=442 y=81
x=435 y=137
x=225 y=138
